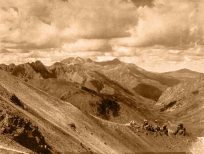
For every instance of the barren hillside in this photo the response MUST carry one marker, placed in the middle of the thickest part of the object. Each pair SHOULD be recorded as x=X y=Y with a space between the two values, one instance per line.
x=54 y=119
x=184 y=103
x=85 y=108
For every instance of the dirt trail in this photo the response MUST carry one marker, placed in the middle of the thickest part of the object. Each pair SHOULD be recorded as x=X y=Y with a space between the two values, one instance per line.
x=170 y=143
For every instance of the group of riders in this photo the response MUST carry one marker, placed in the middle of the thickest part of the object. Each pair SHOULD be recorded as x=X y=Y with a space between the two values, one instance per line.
x=158 y=130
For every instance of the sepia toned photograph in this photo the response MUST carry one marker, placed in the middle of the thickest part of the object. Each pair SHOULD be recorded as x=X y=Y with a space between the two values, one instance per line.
x=101 y=76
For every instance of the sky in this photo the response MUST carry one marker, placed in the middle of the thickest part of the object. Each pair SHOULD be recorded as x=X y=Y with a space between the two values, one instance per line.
x=157 y=35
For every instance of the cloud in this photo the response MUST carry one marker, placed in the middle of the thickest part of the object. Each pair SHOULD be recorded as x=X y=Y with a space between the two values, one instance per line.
x=176 y=23
x=100 y=45
x=47 y=56
x=161 y=60
x=98 y=19
x=54 y=22
x=147 y=32
x=51 y=23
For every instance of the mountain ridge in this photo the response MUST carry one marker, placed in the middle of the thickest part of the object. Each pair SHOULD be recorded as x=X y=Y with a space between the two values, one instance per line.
x=185 y=74
x=77 y=79
x=89 y=134
x=93 y=104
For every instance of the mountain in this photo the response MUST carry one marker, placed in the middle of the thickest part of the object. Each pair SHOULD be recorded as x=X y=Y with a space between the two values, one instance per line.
x=184 y=103
x=76 y=79
x=34 y=70
x=81 y=106
x=76 y=60
x=110 y=62
x=37 y=121
x=185 y=74
x=126 y=75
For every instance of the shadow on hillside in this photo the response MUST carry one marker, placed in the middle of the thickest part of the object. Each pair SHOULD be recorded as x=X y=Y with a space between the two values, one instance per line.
x=148 y=91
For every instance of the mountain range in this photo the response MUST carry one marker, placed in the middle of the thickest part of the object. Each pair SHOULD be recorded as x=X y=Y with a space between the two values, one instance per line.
x=79 y=105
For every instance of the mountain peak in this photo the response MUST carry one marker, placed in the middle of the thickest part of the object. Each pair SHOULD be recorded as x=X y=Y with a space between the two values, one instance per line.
x=115 y=61
x=185 y=70
x=76 y=60
x=37 y=65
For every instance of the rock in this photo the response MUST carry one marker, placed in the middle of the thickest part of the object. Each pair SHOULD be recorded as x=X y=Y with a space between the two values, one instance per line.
x=37 y=139
x=73 y=126
x=24 y=132
x=2 y=130
x=20 y=131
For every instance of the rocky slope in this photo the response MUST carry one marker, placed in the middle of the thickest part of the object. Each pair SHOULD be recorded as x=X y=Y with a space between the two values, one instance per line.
x=76 y=79
x=64 y=128
x=78 y=105
x=34 y=70
x=94 y=75
x=184 y=103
